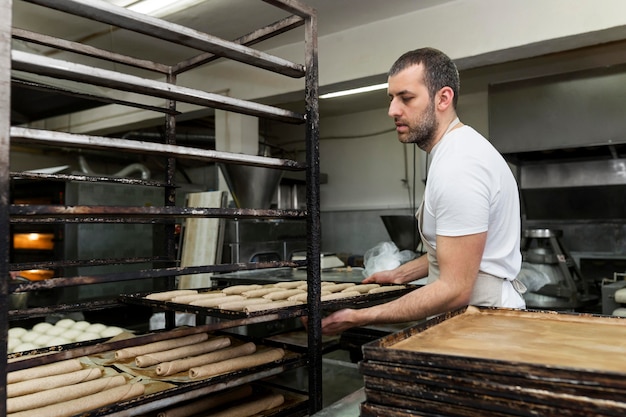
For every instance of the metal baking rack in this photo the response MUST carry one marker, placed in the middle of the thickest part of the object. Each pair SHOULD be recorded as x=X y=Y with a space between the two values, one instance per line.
x=209 y=48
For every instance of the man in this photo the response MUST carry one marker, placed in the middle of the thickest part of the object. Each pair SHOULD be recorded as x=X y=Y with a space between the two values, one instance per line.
x=470 y=218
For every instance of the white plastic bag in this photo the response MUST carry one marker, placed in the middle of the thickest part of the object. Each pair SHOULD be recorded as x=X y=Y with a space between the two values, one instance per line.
x=384 y=257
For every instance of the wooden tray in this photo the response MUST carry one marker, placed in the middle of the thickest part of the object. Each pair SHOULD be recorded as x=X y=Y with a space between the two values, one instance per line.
x=576 y=349
x=488 y=361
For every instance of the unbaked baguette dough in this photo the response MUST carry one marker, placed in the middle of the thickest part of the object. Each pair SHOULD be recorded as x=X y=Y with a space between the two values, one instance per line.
x=338 y=287
x=386 y=288
x=339 y=295
x=289 y=285
x=214 y=302
x=85 y=403
x=271 y=305
x=238 y=289
x=61 y=394
x=209 y=402
x=282 y=295
x=240 y=305
x=304 y=296
x=57 y=368
x=252 y=408
x=134 y=351
x=186 y=299
x=168 y=295
x=53 y=381
x=231 y=365
x=261 y=292
x=362 y=288
x=183 y=365
x=207 y=346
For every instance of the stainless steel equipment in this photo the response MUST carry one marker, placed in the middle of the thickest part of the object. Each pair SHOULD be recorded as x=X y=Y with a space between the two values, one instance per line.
x=403 y=231
x=258 y=240
x=550 y=274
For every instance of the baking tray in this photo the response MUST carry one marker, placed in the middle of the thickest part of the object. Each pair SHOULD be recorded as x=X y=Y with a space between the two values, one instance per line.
x=595 y=366
x=377 y=410
x=360 y=301
x=450 y=360
x=519 y=401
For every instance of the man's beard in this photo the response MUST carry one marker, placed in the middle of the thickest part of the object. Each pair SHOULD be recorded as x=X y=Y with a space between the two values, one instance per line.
x=423 y=134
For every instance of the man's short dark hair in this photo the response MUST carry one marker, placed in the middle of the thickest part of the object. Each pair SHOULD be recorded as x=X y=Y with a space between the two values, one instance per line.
x=439 y=70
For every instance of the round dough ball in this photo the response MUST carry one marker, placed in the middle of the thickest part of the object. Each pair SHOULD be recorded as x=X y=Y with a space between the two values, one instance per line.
x=13 y=343
x=111 y=331
x=30 y=336
x=43 y=340
x=81 y=325
x=65 y=323
x=95 y=328
x=22 y=347
x=58 y=341
x=83 y=337
x=17 y=332
x=56 y=331
x=71 y=334
x=42 y=327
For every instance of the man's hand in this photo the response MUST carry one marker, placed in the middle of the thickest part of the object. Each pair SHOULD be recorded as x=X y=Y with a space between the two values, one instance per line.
x=340 y=321
x=382 y=277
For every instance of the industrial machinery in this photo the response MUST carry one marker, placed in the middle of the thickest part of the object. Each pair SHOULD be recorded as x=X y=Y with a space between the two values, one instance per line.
x=552 y=278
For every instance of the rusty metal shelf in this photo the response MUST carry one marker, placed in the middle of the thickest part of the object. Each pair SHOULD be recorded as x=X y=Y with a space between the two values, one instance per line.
x=46 y=137
x=179 y=35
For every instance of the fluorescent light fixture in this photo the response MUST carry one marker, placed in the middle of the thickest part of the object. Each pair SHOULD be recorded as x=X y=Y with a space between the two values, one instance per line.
x=355 y=91
x=161 y=8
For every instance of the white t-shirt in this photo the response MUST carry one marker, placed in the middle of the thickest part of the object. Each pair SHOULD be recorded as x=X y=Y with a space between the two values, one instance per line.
x=471 y=189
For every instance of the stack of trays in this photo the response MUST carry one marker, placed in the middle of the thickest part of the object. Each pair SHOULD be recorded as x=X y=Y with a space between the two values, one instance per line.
x=499 y=362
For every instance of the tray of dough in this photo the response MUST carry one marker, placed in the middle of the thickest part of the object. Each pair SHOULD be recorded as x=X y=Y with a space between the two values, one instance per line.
x=285 y=299
x=144 y=377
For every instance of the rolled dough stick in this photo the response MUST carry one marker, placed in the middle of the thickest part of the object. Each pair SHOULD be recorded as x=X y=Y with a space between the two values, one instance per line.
x=168 y=295
x=253 y=407
x=60 y=394
x=186 y=299
x=212 y=401
x=290 y=285
x=282 y=295
x=235 y=364
x=303 y=297
x=53 y=381
x=214 y=302
x=182 y=365
x=134 y=351
x=271 y=305
x=362 y=288
x=150 y=359
x=386 y=288
x=339 y=295
x=338 y=287
x=57 y=368
x=238 y=289
x=240 y=305
x=260 y=292
x=85 y=403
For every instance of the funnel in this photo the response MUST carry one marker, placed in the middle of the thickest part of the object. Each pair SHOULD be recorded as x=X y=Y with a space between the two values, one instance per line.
x=403 y=231
x=251 y=187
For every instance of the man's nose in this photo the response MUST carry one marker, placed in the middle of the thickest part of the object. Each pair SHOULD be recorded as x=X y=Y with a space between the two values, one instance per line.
x=393 y=110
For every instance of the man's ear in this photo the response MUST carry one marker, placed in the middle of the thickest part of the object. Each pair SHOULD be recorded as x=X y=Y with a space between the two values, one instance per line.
x=445 y=98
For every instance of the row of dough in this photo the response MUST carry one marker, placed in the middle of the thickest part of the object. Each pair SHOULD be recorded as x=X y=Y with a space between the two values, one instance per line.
x=64 y=388
x=199 y=355
x=257 y=297
x=62 y=332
